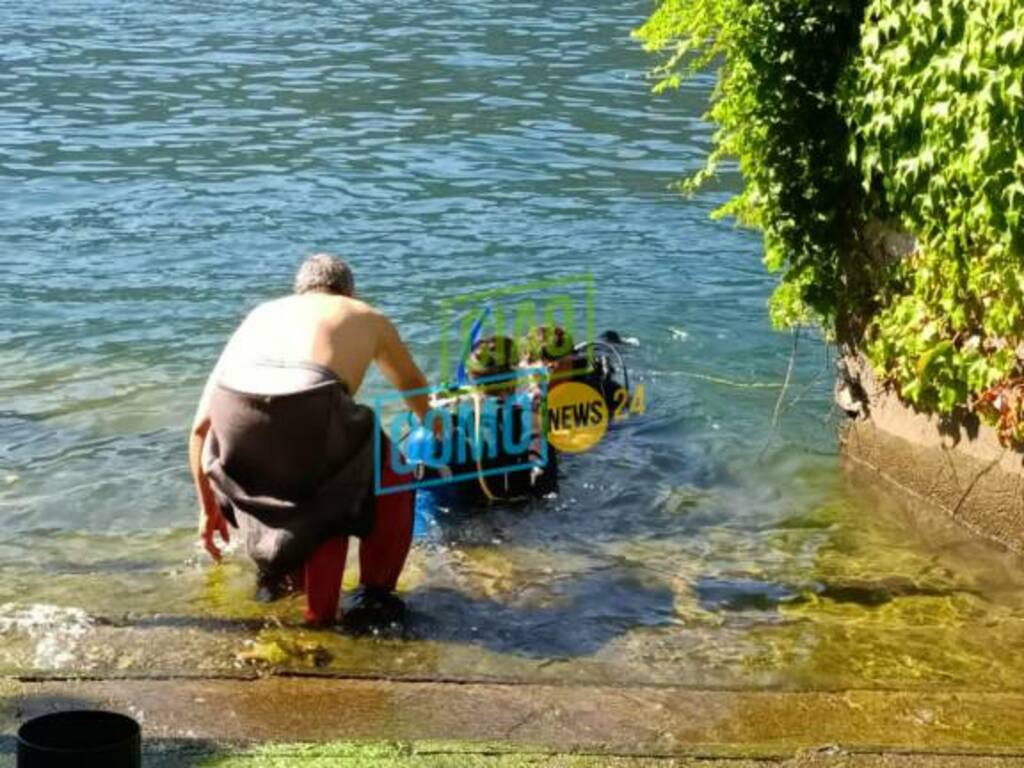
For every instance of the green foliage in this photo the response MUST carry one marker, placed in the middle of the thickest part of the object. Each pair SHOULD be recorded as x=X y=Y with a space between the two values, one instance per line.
x=906 y=110
x=936 y=109
x=776 y=112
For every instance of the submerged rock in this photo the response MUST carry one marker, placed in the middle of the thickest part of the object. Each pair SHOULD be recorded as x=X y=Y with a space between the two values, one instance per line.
x=744 y=594
x=755 y=595
x=881 y=591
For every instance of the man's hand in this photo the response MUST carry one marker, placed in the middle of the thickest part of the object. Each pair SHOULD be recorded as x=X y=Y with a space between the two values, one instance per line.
x=211 y=520
x=214 y=522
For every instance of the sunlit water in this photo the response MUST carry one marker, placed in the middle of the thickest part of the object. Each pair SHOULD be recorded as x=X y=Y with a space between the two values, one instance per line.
x=165 y=166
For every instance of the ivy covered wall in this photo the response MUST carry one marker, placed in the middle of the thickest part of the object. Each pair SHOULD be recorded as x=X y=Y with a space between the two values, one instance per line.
x=841 y=110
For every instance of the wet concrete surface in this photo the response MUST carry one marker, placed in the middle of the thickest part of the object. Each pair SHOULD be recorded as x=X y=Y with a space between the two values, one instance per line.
x=198 y=716
x=473 y=760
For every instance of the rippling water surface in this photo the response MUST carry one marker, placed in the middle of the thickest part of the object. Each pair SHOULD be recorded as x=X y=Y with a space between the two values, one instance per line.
x=164 y=166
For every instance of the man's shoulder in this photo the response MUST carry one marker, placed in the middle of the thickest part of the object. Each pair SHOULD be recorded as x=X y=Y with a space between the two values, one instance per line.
x=358 y=306
x=331 y=309
x=261 y=309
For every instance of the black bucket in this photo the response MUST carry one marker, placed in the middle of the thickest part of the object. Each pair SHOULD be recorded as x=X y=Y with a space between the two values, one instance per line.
x=80 y=738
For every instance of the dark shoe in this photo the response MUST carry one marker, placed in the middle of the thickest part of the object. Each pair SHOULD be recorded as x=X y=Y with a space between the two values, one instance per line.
x=271 y=587
x=374 y=611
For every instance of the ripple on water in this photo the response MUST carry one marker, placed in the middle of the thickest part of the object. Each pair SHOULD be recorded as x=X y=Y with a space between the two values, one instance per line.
x=41 y=636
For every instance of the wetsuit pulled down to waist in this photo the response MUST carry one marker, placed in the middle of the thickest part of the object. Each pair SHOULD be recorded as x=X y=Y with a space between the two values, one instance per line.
x=290 y=458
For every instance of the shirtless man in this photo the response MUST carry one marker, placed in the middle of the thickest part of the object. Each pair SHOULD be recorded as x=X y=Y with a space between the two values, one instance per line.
x=280 y=450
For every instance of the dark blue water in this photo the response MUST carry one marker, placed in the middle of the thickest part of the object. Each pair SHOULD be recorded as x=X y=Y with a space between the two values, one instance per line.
x=165 y=166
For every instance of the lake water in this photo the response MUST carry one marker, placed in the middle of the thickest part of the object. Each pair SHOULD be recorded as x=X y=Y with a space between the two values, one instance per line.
x=164 y=167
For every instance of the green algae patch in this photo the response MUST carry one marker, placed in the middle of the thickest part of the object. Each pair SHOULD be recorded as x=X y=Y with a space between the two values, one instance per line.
x=420 y=755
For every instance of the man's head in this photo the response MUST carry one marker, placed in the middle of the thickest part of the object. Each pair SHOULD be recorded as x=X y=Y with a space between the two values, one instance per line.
x=324 y=273
x=550 y=346
x=546 y=344
x=493 y=356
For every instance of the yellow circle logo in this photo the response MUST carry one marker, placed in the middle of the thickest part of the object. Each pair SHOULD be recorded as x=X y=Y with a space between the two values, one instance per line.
x=577 y=417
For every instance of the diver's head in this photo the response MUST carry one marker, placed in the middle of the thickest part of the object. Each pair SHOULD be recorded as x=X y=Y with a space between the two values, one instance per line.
x=493 y=356
x=548 y=345
x=325 y=273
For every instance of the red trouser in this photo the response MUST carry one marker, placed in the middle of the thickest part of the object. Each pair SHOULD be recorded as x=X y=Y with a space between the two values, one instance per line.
x=381 y=554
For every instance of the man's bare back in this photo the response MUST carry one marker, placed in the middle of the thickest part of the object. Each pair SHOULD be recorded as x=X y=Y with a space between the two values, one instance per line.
x=341 y=333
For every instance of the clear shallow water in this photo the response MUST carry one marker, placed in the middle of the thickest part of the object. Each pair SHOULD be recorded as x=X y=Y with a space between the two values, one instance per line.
x=164 y=168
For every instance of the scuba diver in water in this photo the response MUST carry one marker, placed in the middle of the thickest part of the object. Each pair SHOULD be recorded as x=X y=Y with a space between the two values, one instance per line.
x=597 y=364
x=495 y=451
x=280 y=450
x=507 y=458
x=507 y=475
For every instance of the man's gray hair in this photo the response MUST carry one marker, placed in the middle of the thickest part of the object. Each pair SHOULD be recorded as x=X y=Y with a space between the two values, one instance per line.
x=324 y=273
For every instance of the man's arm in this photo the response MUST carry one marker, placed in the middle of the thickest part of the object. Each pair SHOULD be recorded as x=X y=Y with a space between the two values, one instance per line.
x=400 y=369
x=211 y=520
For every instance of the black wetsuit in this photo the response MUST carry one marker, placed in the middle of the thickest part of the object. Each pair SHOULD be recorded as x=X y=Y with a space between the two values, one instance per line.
x=290 y=459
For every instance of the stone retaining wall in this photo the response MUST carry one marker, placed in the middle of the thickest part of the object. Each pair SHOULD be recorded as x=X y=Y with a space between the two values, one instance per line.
x=955 y=465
